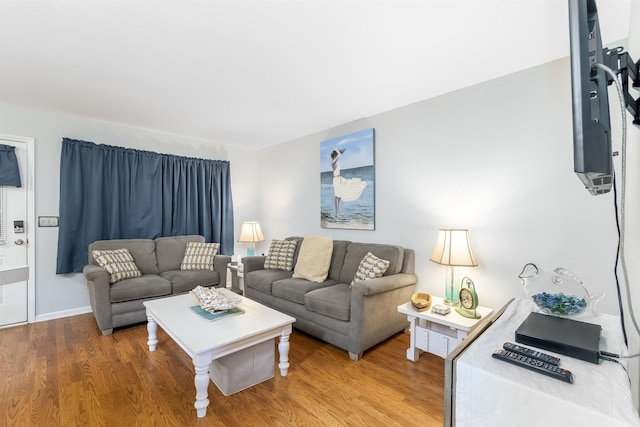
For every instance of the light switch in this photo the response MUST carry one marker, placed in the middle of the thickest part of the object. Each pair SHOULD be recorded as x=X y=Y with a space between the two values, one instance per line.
x=47 y=221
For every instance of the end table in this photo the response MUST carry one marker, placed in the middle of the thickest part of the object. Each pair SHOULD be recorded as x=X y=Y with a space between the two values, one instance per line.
x=436 y=333
x=237 y=279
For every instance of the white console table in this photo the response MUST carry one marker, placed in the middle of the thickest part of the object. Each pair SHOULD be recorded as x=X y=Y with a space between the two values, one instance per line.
x=489 y=392
x=437 y=333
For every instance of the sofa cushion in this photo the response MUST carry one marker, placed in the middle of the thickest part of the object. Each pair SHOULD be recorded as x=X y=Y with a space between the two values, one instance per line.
x=333 y=301
x=370 y=267
x=262 y=280
x=170 y=250
x=337 y=258
x=357 y=251
x=280 y=255
x=118 y=263
x=185 y=280
x=314 y=259
x=199 y=256
x=143 y=252
x=146 y=286
x=294 y=289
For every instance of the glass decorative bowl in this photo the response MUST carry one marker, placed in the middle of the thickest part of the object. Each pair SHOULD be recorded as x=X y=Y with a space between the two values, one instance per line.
x=560 y=293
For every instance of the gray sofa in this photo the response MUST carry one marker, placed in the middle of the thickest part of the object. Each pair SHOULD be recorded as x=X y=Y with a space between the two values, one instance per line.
x=352 y=318
x=120 y=303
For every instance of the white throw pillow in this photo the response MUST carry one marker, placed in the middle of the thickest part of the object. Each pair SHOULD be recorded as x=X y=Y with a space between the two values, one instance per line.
x=119 y=264
x=314 y=259
x=370 y=267
x=199 y=256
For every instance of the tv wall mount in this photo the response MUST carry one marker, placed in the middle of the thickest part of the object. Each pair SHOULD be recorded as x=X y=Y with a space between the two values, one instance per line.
x=622 y=64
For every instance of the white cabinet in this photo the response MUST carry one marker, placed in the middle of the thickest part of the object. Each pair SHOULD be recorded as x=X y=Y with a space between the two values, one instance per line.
x=435 y=342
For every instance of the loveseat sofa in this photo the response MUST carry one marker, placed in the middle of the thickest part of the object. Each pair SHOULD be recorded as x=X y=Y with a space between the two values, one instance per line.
x=117 y=301
x=352 y=316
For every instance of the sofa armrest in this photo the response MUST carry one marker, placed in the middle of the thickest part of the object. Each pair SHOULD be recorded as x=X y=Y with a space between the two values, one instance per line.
x=97 y=280
x=385 y=283
x=374 y=310
x=252 y=263
x=220 y=263
x=95 y=273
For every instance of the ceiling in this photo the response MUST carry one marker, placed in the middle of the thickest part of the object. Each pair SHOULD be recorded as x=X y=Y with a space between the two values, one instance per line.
x=258 y=73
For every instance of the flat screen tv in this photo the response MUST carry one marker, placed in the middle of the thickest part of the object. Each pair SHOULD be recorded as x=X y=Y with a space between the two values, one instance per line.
x=592 y=156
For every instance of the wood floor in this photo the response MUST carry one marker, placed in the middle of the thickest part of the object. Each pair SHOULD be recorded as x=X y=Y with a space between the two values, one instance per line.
x=64 y=373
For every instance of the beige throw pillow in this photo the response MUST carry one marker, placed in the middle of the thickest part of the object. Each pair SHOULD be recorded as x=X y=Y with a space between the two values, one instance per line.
x=119 y=264
x=314 y=259
x=199 y=256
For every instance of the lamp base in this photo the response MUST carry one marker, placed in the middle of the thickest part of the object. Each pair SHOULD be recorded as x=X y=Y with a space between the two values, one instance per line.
x=471 y=314
x=450 y=303
x=251 y=251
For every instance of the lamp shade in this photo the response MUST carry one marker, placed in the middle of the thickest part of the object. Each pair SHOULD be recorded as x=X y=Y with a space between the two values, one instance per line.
x=453 y=248
x=250 y=232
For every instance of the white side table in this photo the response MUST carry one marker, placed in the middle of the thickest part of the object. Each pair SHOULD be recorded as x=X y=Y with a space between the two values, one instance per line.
x=436 y=333
x=237 y=278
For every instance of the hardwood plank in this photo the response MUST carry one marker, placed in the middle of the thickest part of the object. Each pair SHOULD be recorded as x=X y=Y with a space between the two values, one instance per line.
x=64 y=372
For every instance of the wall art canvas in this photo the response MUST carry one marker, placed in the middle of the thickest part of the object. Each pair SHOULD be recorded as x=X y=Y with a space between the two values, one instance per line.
x=347 y=181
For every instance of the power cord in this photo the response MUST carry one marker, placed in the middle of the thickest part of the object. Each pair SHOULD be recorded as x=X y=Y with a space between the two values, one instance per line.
x=611 y=357
x=622 y=227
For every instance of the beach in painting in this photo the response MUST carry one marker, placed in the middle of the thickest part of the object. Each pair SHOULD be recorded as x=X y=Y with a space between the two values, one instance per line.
x=358 y=214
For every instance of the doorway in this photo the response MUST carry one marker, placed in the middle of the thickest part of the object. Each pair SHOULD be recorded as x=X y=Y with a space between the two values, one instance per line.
x=17 y=236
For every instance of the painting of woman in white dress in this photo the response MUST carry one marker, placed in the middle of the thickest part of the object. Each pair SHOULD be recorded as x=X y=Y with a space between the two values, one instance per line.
x=347 y=181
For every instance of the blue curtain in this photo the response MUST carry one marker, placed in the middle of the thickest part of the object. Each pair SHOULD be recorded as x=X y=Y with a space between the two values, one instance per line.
x=9 y=171
x=111 y=192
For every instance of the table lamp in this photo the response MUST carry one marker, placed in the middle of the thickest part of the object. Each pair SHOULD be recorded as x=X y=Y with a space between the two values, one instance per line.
x=250 y=232
x=452 y=249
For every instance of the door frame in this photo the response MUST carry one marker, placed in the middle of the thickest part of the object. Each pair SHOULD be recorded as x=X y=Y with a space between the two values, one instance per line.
x=28 y=181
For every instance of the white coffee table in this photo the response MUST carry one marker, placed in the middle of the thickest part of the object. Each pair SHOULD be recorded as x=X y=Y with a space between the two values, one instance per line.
x=205 y=341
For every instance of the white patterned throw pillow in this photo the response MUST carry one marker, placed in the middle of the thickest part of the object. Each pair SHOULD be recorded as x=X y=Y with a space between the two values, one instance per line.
x=280 y=256
x=119 y=264
x=199 y=256
x=370 y=267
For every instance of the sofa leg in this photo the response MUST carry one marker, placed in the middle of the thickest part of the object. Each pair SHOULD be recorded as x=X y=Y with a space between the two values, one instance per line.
x=355 y=357
x=107 y=332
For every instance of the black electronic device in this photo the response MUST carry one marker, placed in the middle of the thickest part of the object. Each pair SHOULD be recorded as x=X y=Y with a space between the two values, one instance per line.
x=534 y=354
x=535 y=365
x=592 y=152
x=561 y=335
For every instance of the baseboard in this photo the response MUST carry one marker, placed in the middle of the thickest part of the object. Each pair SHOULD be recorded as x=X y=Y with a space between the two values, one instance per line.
x=64 y=313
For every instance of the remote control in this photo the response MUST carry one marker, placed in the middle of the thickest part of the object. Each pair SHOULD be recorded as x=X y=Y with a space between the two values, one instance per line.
x=535 y=365
x=547 y=358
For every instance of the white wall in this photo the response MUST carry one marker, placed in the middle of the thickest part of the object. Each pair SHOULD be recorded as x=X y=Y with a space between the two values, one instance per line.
x=60 y=295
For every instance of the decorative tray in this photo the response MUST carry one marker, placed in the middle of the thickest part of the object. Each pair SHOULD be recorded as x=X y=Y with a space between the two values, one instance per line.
x=217 y=315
